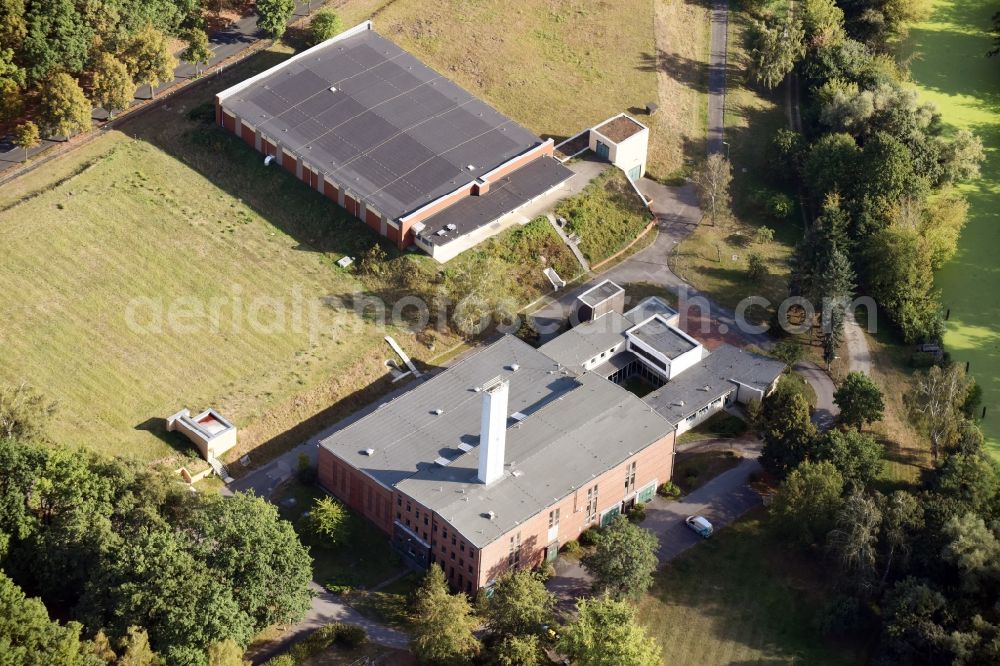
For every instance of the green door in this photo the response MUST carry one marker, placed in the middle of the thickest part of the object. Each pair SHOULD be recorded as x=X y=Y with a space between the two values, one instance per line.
x=610 y=515
x=603 y=151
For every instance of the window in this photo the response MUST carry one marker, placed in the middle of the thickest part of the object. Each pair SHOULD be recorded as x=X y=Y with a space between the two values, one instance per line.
x=514 y=554
x=591 y=503
x=452 y=556
x=408 y=507
x=426 y=521
x=407 y=522
x=461 y=546
x=399 y=501
x=630 y=478
x=444 y=532
x=399 y=516
x=417 y=514
x=553 y=518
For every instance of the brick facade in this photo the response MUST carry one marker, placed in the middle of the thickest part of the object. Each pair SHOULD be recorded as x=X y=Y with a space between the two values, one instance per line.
x=468 y=568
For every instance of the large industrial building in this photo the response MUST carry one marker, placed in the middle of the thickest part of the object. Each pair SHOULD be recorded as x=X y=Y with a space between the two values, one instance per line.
x=405 y=150
x=499 y=460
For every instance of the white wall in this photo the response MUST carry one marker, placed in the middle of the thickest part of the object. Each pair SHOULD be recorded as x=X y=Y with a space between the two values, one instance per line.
x=713 y=408
x=685 y=361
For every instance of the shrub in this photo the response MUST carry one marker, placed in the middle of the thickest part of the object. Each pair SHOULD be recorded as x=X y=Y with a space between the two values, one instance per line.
x=306 y=472
x=756 y=266
x=780 y=206
x=337 y=588
x=669 y=489
x=638 y=513
x=590 y=536
x=324 y=25
x=547 y=570
x=571 y=547
x=281 y=660
x=351 y=635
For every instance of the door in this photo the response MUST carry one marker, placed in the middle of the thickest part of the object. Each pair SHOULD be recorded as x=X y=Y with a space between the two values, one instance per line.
x=633 y=173
x=552 y=552
x=603 y=151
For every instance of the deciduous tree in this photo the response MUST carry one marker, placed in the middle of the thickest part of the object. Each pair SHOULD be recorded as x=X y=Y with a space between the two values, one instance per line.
x=859 y=399
x=197 y=51
x=936 y=402
x=58 y=38
x=64 y=109
x=149 y=59
x=858 y=456
x=29 y=638
x=624 y=561
x=26 y=136
x=712 y=181
x=273 y=15
x=519 y=651
x=605 y=633
x=327 y=520
x=775 y=50
x=324 y=25
x=113 y=88
x=24 y=413
x=807 y=502
x=520 y=604
x=854 y=539
x=787 y=430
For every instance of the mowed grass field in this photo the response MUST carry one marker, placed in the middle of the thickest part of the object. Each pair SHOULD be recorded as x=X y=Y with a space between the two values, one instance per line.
x=740 y=598
x=951 y=68
x=171 y=270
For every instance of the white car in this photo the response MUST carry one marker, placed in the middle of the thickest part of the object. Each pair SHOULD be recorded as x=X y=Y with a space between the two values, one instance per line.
x=700 y=525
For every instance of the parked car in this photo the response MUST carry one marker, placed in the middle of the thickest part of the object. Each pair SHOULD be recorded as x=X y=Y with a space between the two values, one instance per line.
x=700 y=525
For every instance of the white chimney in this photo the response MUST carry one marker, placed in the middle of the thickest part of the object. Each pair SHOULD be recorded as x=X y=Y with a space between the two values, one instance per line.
x=493 y=430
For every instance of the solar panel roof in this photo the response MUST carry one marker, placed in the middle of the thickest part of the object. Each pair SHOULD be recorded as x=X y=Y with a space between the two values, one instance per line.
x=377 y=121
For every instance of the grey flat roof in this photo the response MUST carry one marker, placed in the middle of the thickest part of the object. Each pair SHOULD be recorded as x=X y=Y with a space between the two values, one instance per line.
x=599 y=293
x=662 y=337
x=392 y=130
x=587 y=340
x=505 y=194
x=577 y=425
x=649 y=306
x=711 y=378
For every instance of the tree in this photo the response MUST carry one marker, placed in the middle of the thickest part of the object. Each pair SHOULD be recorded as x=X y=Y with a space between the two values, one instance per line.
x=324 y=25
x=24 y=413
x=444 y=623
x=775 y=50
x=101 y=648
x=854 y=540
x=64 y=108
x=961 y=157
x=859 y=399
x=58 y=39
x=273 y=15
x=902 y=518
x=712 y=181
x=807 y=501
x=831 y=165
x=29 y=638
x=327 y=520
x=226 y=653
x=974 y=550
x=936 y=402
x=972 y=481
x=756 y=267
x=148 y=58
x=624 y=561
x=823 y=22
x=995 y=31
x=787 y=431
x=519 y=651
x=113 y=88
x=763 y=235
x=26 y=136
x=520 y=604
x=788 y=352
x=136 y=650
x=914 y=615
x=856 y=455
x=197 y=51
x=11 y=103
x=605 y=633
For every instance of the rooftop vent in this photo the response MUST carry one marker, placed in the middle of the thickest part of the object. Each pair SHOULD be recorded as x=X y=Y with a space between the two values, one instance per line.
x=514 y=367
x=369 y=452
x=438 y=412
x=465 y=447
x=442 y=461
x=470 y=167
x=518 y=416
x=333 y=88
x=517 y=472
x=450 y=227
x=491 y=515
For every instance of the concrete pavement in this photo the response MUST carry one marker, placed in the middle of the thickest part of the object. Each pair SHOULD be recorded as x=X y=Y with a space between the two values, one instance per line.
x=826 y=411
x=717 y=75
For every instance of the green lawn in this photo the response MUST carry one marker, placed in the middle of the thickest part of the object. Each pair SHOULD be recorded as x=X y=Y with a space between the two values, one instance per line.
x=693 y=470
x=718 y=425
x=741 y=598
x=952 y=71
x=365 y=559
x=607 y=215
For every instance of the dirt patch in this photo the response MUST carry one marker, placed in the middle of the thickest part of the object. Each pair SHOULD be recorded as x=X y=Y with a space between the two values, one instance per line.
x=571 y=148
x=620 y=128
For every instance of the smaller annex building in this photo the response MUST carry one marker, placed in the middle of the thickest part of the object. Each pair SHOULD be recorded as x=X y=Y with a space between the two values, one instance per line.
x=402 y=148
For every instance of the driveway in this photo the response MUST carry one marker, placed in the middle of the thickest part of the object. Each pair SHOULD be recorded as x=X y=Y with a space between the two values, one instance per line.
x=722 y=500
x=826 y=411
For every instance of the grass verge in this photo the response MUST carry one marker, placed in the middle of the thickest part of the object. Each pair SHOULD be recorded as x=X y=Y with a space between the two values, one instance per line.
x=721 y=425
x=693 y=470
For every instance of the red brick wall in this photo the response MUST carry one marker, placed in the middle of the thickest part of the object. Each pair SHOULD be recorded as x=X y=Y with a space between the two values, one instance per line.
x=392 y=233
x=268 y=148
x=374 y=221
x=653 y=462
x=218 y=111
x=228 y=121
x=330 y=191
x=357 y=490
x=351 y=205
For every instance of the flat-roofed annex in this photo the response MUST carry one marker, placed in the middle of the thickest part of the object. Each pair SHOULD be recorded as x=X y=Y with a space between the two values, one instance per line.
x=379 y=122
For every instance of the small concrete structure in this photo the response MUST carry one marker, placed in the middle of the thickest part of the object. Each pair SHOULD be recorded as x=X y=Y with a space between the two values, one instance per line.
x=209 y=431
x=623 y=141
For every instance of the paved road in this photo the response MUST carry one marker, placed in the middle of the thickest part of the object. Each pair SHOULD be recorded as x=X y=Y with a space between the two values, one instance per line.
x=826 y=412
x=717 y=75
x=859 y=355
x=677 y=215
x=722 y=500
x=224 y=44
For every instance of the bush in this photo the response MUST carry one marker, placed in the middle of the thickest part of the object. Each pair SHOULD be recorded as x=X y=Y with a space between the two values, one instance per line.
x=571 y=547
x=756 y=266
x=306 y=472
x=590 y=536
x=669 y=489
x=351 y=635
x=324 y=25
x=337 y=588
x=348 y=635
x=780 y=206
x=281 y=660
x=638 y=513
x=547 y=570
